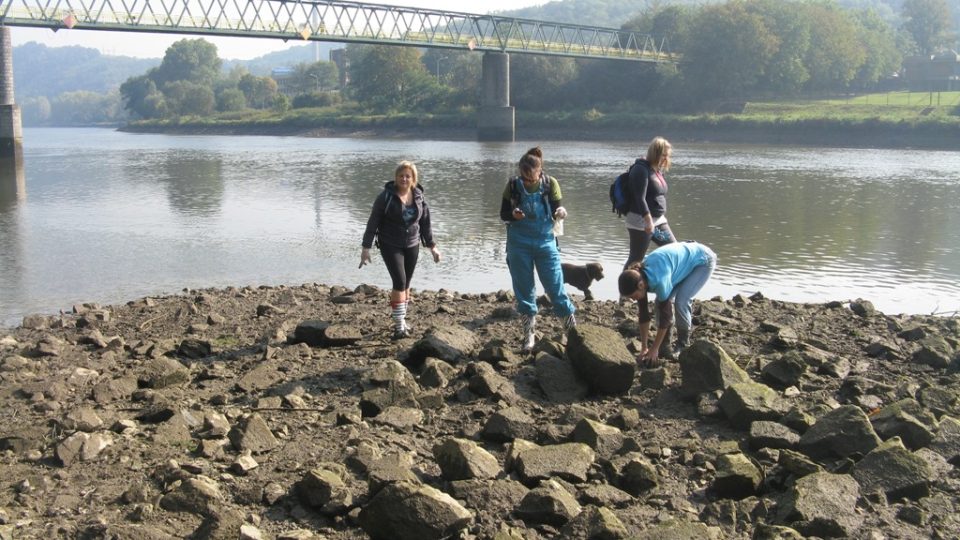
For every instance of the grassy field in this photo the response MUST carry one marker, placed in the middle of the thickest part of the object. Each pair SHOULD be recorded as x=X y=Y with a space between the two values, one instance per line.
x=889 y=106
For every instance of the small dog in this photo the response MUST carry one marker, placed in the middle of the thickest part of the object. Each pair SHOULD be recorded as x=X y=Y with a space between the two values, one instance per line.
x=582 y=275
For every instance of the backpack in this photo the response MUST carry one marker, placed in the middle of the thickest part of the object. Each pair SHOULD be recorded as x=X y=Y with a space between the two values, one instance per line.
x=619 y=196
x=545 y=187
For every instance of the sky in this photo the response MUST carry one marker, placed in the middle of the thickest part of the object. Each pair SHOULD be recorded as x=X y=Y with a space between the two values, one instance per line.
x=154 y=45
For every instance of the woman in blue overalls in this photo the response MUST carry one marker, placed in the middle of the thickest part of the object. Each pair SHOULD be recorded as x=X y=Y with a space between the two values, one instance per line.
x=531 y=202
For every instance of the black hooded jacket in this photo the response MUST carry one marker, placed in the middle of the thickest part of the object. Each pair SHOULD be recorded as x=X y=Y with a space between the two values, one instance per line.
x=386 y=220
x=647 y=195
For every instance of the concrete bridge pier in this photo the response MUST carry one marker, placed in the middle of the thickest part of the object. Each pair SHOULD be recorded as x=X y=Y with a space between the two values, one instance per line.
x=496 y=116
x=11 y=130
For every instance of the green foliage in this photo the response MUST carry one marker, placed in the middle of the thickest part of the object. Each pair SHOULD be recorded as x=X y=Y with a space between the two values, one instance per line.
x=193 y=60
x=316 y=99
x=35 y=111
x=389 y=78
x=189 y=98
x=541 y=82
x=259 y=91
x=86 y=108
x=928 y=22
x=314 y=77
x=281 y=103
x=231 y=99
x=50 y=71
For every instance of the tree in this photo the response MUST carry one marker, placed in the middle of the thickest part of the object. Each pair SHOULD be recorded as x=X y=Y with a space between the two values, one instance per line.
x=189 y=98
x=385 y=77
x=35 y=110
x=541 y=82
x=835 y=54
x=883 y=56
x=259 y=91
x=928 y=21
x=315 y=77
x=729 y=49
x=141 y=96
x=231 y=99
x=193 y=60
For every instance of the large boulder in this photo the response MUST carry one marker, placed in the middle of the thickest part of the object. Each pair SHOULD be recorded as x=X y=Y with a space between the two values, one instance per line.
x=748 y=402
x=822 y=504
x=895 y=470
x=842 y=432
x=559 y=380
x=601 y=359
x=452 y=344
x=460 y=459
x=705 y=367
x=569 y=461
x=407 y=511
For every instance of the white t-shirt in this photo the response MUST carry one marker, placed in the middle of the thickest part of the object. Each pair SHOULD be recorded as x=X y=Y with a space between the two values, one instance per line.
x=634 y=220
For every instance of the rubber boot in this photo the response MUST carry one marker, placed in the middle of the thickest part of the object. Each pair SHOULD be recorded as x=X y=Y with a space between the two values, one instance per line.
x=683 y=341
x=666 y=351
x=529 y=332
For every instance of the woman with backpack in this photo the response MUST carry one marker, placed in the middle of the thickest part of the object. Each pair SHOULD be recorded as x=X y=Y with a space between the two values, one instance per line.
x=400 y=220
x=646 y=217
x=530 y=204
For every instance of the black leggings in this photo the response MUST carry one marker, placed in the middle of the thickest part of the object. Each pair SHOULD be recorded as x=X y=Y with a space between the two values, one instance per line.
x=400 y=264
x=640 y=241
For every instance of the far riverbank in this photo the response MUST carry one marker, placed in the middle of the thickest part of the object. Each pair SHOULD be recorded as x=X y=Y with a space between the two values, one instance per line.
x=722 y=129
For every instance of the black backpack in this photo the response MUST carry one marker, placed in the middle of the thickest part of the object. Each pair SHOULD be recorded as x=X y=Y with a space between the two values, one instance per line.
x=620 y=195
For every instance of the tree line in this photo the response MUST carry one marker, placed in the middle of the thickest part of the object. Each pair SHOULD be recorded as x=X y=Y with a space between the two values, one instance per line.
x=733 y=51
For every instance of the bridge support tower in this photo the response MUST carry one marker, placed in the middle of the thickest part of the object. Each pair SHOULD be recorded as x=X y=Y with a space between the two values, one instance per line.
x=496 y=121
x=11 y=130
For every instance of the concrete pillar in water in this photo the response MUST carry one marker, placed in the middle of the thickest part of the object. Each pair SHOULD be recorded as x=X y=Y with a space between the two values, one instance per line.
x=496 y=121
x=11 y=130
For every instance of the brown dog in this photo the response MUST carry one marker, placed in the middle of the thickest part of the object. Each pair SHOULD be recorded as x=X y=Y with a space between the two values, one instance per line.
x=582 y=275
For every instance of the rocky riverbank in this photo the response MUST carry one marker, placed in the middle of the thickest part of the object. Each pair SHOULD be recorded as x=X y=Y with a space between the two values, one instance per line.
x=287 y=413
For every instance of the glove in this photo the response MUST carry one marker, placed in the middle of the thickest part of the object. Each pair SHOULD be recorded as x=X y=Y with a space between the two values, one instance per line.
x=364 y=257
x=560 y=213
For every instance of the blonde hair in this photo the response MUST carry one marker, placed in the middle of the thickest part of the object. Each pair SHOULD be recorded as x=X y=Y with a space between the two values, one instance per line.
x=658 y=154
x=407 y=165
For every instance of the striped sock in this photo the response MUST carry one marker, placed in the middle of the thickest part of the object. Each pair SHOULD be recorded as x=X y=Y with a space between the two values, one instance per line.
x=399 y=313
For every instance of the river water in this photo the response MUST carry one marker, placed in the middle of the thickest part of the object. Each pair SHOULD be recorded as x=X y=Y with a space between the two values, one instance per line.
x=108 y=217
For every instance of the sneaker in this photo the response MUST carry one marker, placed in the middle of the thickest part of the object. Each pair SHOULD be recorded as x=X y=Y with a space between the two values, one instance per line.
x=570 y=321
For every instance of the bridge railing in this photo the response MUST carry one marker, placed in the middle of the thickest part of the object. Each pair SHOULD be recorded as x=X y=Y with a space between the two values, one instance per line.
x=339 y=21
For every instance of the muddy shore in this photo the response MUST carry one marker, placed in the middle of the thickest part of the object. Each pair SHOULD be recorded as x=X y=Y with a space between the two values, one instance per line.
x=288 y=413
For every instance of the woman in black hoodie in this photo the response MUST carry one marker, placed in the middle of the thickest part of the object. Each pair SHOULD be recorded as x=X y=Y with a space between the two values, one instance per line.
x=400 y=220
x=647 y=218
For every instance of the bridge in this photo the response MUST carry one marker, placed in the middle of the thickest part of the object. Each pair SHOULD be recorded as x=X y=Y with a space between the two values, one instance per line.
x=340 y=21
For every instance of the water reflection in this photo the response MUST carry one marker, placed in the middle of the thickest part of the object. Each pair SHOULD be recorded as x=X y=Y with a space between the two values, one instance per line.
x=13 y=183
x=132 y=215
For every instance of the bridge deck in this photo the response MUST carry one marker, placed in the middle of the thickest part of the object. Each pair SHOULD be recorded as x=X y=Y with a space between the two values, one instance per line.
x=339 y=21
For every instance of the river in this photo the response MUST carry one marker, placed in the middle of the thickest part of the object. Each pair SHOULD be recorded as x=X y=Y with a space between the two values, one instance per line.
x=108 y=217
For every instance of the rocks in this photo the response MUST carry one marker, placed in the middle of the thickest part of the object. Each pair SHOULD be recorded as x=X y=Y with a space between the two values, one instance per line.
x=266 y=436
x=705 y=367
x=840 y=433
x=822 y=504
x=405 y=511
x=601 y=359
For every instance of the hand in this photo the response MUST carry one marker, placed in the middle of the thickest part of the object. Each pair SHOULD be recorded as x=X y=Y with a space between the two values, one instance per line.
x=518 y=213
x=364 y=257
x=648 y=225
x=560 y=213
x=436 y=254
x=651 y=354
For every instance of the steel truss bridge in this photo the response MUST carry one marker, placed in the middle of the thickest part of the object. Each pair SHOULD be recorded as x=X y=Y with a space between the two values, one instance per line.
x=340 y=21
